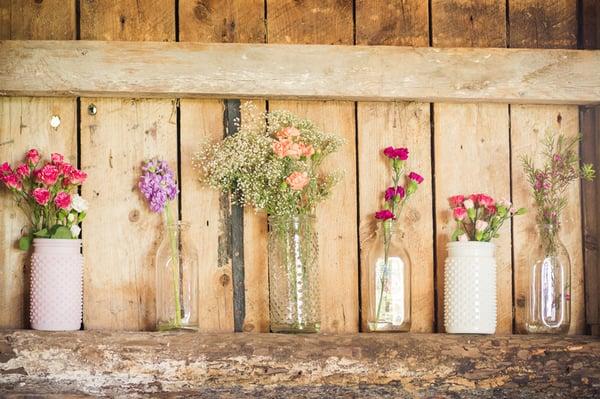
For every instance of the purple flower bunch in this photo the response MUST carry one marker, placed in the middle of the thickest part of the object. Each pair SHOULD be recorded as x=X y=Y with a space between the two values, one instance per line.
x=158 y=184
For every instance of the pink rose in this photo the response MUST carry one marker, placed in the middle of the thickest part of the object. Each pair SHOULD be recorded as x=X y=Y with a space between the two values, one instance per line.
x=280 y=147
x=456 y=200
x=297 y=180
x=459 y=213
x=306 y=150
x=41 y=196
x=57 y=159
x=417 y=178
x=32 y=156
x=287 y=133
x=77 y=176
x=384 y=214
x=62 y=200
x=48 y=175
x=23 y=170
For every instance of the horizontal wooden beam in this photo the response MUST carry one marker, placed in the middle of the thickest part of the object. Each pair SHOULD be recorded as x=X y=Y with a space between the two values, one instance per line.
x=272 y=365
x=373 y=73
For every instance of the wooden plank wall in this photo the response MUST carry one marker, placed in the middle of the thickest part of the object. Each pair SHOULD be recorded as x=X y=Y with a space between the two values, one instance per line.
x=444 y=140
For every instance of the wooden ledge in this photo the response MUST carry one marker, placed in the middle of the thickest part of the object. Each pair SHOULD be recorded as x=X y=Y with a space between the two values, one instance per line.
x=356 y=73
x=272 y=365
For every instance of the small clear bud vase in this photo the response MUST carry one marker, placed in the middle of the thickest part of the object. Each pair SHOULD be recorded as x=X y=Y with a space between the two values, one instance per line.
x=388 y=280
x=176 y=280
x=293 y=274
x=549 y=300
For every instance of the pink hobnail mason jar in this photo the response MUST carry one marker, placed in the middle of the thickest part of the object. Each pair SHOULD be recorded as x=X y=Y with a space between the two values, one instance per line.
x=56 y=285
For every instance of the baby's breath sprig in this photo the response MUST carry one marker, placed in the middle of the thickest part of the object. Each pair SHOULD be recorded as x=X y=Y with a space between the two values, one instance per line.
x=272 y=163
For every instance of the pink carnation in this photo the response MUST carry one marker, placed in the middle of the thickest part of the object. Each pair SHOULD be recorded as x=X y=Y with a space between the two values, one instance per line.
x=485 y=200
x=41 y=196
x=62 y=200
x=23 y=170
x=384 y=214
x=57 y=159
x=77 y=176
x=459 y=213
x=287 y=133
x=33 y=156
x=5 y=169
x=48 y=175
x=297 y=180
x=12 y=181
x=417 y=178
x=306 y=150
x=280 y=147
x=456 y=200
x=396 y=153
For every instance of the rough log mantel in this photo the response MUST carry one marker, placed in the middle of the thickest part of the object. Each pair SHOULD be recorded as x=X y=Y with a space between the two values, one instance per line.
x=371 y=73
x=271 y=365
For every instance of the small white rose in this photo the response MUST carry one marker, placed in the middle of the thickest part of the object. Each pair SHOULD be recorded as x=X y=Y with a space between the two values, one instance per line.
x=468 y=203
x=79 y=204
x=75 y=230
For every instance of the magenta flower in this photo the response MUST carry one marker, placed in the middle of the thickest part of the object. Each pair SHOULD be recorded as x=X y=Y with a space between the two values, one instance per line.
x=396 y=153
x=384 y=214
x=417 y=178
x=392 y=192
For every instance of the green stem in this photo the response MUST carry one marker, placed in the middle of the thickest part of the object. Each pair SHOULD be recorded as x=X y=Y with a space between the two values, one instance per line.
x=171 y=229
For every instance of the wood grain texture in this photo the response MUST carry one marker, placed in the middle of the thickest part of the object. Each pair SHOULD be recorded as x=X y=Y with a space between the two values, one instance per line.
x=229 y=21
x=468 y=23
x=535 y=25
x=216 y=21
x=543 y=24
x=590 y=153
x=394 y=23
x=364 y=73
x=128 y=20
x=317 y=366
x=472 y=146
x=25 y=123
x=122 y=234
x=329 y=22
x=399 y=124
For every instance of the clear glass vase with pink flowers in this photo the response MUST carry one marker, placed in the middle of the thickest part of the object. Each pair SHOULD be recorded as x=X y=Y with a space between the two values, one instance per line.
x=273 y=163
x=549 y=297
x=387 y=263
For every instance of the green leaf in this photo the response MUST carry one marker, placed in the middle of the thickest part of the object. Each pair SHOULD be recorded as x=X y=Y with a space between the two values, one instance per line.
x=43 y=233
x=25 y=243
x=61 y=232
x=81 y=217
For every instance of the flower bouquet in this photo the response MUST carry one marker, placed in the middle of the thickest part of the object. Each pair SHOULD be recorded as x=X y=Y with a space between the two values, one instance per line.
x=548 y=308
x=46 y=192
x=273 y=164
x=470 y=268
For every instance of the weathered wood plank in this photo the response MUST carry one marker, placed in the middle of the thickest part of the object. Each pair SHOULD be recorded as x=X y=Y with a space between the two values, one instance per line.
x=25 y=123
x=399 y=124
x=472 y=144
x=534 y=24
x=329 y=22
x=590 y=153
x=371 y=73
x=120 y=274
x=275 y=366
x=231 y=21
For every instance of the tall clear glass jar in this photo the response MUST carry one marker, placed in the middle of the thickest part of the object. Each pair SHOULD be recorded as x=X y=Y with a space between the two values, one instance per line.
x=549 y=299
x=388 y=280
x=293 y=274
x=176 y=280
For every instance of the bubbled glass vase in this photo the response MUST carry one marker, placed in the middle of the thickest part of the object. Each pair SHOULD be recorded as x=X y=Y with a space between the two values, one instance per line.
x=294 y=304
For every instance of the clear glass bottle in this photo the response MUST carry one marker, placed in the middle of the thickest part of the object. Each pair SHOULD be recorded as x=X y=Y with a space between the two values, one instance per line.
x=293 y=274
x=388 y=280
x=176 y=280
x=549 y=299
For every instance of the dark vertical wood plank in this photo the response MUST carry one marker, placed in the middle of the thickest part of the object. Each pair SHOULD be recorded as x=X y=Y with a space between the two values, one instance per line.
x=472 y=140
x=538 y=24
x=120 y=275
x=227 y=239
x=590 y=153
x=398 y=23
x=25 y=123
x=328 y=22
